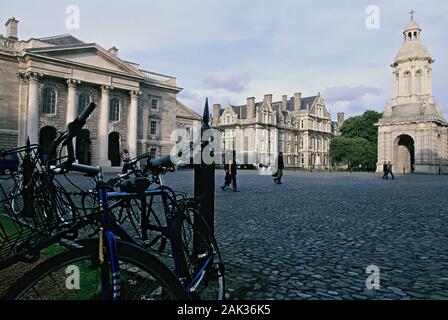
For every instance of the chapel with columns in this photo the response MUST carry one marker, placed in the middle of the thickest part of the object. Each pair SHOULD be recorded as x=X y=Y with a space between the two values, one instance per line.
x=46 y=82
x=413 y=133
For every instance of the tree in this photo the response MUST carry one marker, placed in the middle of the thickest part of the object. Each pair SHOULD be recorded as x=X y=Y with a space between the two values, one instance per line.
x=354 y=151
x=362 y=126
x=358 y=143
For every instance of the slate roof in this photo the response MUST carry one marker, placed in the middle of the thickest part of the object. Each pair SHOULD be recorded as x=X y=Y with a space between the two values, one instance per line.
x=241 y=111
x=62 y=40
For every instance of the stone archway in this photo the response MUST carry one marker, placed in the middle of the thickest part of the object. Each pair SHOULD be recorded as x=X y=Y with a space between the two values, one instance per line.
x=404 y=154
x=47 y=135
x=114 y=149
x=83 y=150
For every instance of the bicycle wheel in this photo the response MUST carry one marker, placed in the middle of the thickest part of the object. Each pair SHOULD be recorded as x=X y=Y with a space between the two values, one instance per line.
x=205 y=267
x=76 y=275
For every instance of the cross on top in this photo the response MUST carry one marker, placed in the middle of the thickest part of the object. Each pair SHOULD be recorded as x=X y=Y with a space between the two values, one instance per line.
x=412 y=14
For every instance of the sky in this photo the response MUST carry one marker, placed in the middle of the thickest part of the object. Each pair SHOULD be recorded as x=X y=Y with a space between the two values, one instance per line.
x=233 y=49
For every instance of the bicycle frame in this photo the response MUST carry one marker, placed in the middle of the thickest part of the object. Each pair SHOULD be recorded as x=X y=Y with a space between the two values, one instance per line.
x=190 y=284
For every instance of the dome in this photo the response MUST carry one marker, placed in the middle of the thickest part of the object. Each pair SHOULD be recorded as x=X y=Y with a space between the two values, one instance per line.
x=412 y=49
x=411 y=26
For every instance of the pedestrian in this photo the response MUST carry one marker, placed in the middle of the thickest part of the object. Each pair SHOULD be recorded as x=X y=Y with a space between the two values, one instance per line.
x=386 y=174
x=280 y=166
x=126 y=158
x=390 y=171
x=231 y=173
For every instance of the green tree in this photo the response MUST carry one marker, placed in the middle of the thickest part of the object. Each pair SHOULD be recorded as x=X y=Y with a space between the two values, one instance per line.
x=362 y=126
x=358 y=143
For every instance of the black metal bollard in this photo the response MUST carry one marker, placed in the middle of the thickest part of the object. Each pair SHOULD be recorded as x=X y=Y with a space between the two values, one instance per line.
x=28 y=192
x=204 y=185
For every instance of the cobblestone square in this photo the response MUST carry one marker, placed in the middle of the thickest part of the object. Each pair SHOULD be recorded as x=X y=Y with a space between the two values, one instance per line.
x=314 y=236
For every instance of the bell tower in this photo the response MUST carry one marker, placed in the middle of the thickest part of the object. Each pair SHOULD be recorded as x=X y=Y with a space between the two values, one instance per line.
x=413 y=133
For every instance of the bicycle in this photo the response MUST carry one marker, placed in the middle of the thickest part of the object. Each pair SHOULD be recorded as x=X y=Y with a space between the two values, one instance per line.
x=197 y=260
x=106 y=267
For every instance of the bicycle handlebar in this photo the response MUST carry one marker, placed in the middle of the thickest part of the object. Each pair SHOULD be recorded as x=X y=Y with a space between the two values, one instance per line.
x=74 y=129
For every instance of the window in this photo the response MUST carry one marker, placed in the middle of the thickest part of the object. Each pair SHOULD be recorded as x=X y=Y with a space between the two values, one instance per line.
x=152 y=153
x=153 y=129
x=418 y=82
x=49 y=101
x=407 y=83
x=83 y=102
x=154 y=104
x=114 y=110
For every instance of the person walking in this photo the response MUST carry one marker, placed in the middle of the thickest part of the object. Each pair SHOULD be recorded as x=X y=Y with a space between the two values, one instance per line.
x=280 y=166
x=126 y=158
x=386 y=174
x=231 y=173
x=390 y=171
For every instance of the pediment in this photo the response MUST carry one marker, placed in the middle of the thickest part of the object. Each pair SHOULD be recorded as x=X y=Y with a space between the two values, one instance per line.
x=266 y=106
x=91 y=55
x=229 y=110
x=184 y=111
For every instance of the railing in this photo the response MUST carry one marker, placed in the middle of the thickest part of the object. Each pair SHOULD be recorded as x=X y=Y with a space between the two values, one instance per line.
x=167 y=80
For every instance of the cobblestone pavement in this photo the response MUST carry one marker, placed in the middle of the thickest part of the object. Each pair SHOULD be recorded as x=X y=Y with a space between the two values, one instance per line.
x=314 y=236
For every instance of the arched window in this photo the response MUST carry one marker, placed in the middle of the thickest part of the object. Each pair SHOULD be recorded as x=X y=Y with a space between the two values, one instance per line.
x=415 y=35
x=418 y=82
x=407 y=83
x=114 y=110
x=49 y=101
x=410 y=35
x=83 y=102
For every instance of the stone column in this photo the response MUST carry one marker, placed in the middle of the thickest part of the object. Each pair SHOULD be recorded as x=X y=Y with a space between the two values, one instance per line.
x=103 y=128
x=71 y=100
x=32 y=125
x=132 y=123
x=71 y=112
x=23 y=88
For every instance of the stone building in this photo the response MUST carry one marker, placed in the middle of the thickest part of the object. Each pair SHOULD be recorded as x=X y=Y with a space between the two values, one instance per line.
x=413 y=130
x=46 y=82
x=300 y=127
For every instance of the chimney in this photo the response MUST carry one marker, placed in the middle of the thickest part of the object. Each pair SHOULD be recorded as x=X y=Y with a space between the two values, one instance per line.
x=216 y=115
x=341 y=119
x=284 y=103
x=297 y=101
x=268 y=98
x=113 y=51
x=250 y=108
x=12 y=28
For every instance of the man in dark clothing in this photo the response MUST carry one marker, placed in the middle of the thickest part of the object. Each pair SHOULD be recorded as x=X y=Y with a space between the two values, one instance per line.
x=390 y=171
x=280 y=166
x=126 y=157
x=386 y=174
x=231 y=172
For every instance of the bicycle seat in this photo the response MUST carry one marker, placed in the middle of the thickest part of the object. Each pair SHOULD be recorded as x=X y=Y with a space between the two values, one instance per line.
x=164 y=162
x=135 y=185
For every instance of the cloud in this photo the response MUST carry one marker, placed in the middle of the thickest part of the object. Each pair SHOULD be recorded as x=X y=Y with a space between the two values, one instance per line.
x=227 y=81
x=349 y=94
